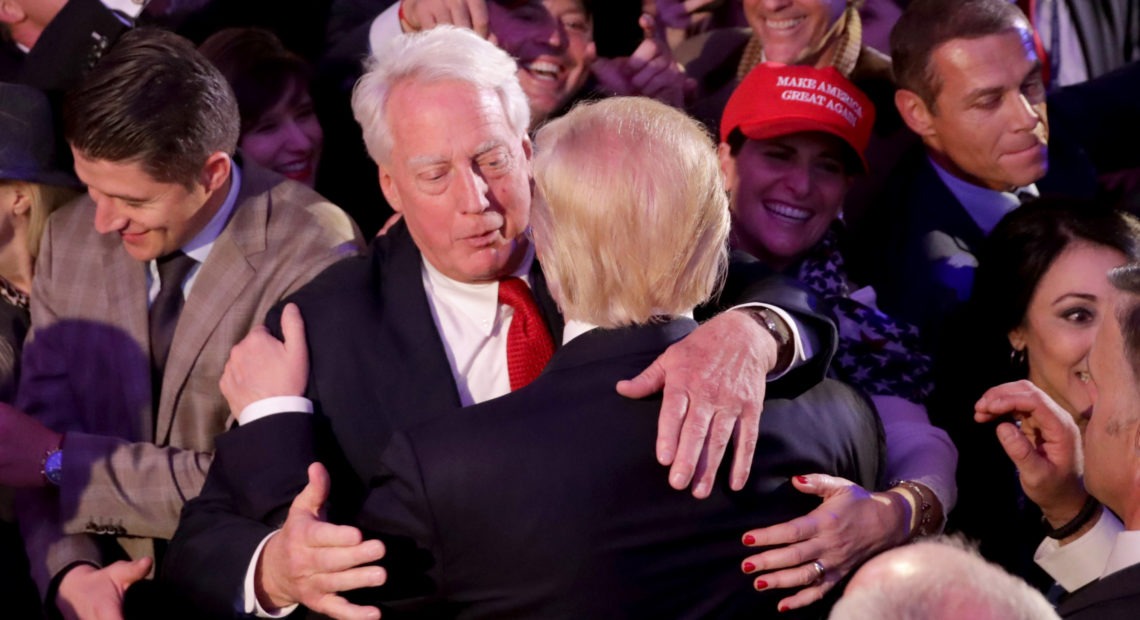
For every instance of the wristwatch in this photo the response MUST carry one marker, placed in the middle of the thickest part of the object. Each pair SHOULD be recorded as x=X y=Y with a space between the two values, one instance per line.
x=53 y=466
x=775 y=325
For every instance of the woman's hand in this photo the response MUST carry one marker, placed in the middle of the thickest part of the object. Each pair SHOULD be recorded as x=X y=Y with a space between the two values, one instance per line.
x=850 y=526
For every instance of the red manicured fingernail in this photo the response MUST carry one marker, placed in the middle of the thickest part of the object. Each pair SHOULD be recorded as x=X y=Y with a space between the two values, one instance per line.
x=761 y=584
x=783 y=608
x=801 y=480
x=749 y=567
x=749 y=539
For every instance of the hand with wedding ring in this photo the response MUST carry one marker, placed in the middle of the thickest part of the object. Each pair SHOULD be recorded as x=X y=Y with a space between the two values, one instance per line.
x=815 y=551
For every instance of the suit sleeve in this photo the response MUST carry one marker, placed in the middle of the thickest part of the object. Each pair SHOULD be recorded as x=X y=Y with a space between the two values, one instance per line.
x=38 y=511
x=398 y=512
x=258 y=469
x=793 y=298
x=115 y=481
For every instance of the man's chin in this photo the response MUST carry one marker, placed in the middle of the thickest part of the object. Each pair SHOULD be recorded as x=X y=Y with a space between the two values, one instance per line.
x=140 y=251
x=498 y=261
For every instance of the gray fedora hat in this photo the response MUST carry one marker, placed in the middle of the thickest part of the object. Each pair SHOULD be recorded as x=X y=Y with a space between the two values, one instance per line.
x=28 y=139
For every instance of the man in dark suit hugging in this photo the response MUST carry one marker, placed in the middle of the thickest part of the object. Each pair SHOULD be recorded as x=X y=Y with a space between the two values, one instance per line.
x=450 y=310
x=534 y=504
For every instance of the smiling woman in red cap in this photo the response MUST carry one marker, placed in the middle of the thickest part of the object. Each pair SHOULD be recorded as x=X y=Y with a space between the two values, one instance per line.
x=792 y=141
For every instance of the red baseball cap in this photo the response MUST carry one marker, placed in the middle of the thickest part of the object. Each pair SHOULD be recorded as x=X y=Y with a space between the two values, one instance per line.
x=776 y=100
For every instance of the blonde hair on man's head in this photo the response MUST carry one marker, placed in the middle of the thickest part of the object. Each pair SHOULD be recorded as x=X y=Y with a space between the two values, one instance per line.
x=630 y=216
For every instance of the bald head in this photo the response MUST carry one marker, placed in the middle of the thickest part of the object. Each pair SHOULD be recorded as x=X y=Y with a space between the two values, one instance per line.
x=938 y=580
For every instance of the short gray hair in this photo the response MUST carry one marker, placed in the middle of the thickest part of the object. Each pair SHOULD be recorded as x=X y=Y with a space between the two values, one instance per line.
x=958 y=584
x=439 y=54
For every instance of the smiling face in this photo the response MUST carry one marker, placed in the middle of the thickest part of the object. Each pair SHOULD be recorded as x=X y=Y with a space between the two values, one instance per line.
x=786 y=192
x=1061 y=322
x=988 y=125
x=152 y=218
x=553 y=42
x=460 y=176
x=789 y=28
x=287 y=138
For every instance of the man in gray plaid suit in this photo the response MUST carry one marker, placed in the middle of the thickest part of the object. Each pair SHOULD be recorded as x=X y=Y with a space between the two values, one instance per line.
x=134 y=317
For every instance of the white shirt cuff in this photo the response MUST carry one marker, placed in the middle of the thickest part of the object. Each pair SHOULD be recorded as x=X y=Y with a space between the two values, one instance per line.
x=1082 y=561
x=804 y=346
x=249 y=592
x=384 y=28
x=273 y=405
x=130 y=8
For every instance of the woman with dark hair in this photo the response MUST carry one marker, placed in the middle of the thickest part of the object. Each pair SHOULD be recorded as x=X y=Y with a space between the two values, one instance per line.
x=793 y=140
x=279 y=127
x=1039 y=294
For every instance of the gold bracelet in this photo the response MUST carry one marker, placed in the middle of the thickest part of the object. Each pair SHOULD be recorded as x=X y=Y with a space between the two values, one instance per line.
x=923 y=526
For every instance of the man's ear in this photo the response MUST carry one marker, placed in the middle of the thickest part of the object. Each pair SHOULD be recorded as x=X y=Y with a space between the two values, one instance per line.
x=727 y=165
x=216 y=171
x=388 y=188
x=915 y=112
x=11 y=12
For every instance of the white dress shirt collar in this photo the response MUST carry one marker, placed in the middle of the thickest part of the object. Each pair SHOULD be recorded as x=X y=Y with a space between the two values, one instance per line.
x=1125 y=553
x=479 y=301
x=575 y=328
x=199 y=247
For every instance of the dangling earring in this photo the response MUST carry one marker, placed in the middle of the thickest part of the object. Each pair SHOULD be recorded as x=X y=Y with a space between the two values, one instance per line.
x=1017 y=359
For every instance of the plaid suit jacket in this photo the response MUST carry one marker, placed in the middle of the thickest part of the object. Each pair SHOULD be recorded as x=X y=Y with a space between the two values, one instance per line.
x=127 y=470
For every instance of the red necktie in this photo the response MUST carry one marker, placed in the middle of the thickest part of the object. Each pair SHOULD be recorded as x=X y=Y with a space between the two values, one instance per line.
x=529 y=345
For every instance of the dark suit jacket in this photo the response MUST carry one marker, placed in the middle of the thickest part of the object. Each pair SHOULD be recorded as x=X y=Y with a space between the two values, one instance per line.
x=70 y=45
x=377 y=365
x=918 y=248
x=1116 y=597
x=540 y=505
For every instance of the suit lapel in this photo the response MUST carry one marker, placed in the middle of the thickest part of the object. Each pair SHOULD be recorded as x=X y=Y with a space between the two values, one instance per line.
x=219 y=282
x=945 y=212
x=410 y=328
x=546 y=304
x=1123 y=584
x=126 y=295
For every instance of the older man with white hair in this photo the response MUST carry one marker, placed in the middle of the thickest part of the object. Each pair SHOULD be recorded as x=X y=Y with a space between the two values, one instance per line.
x=941 y=579
x=450 y=310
